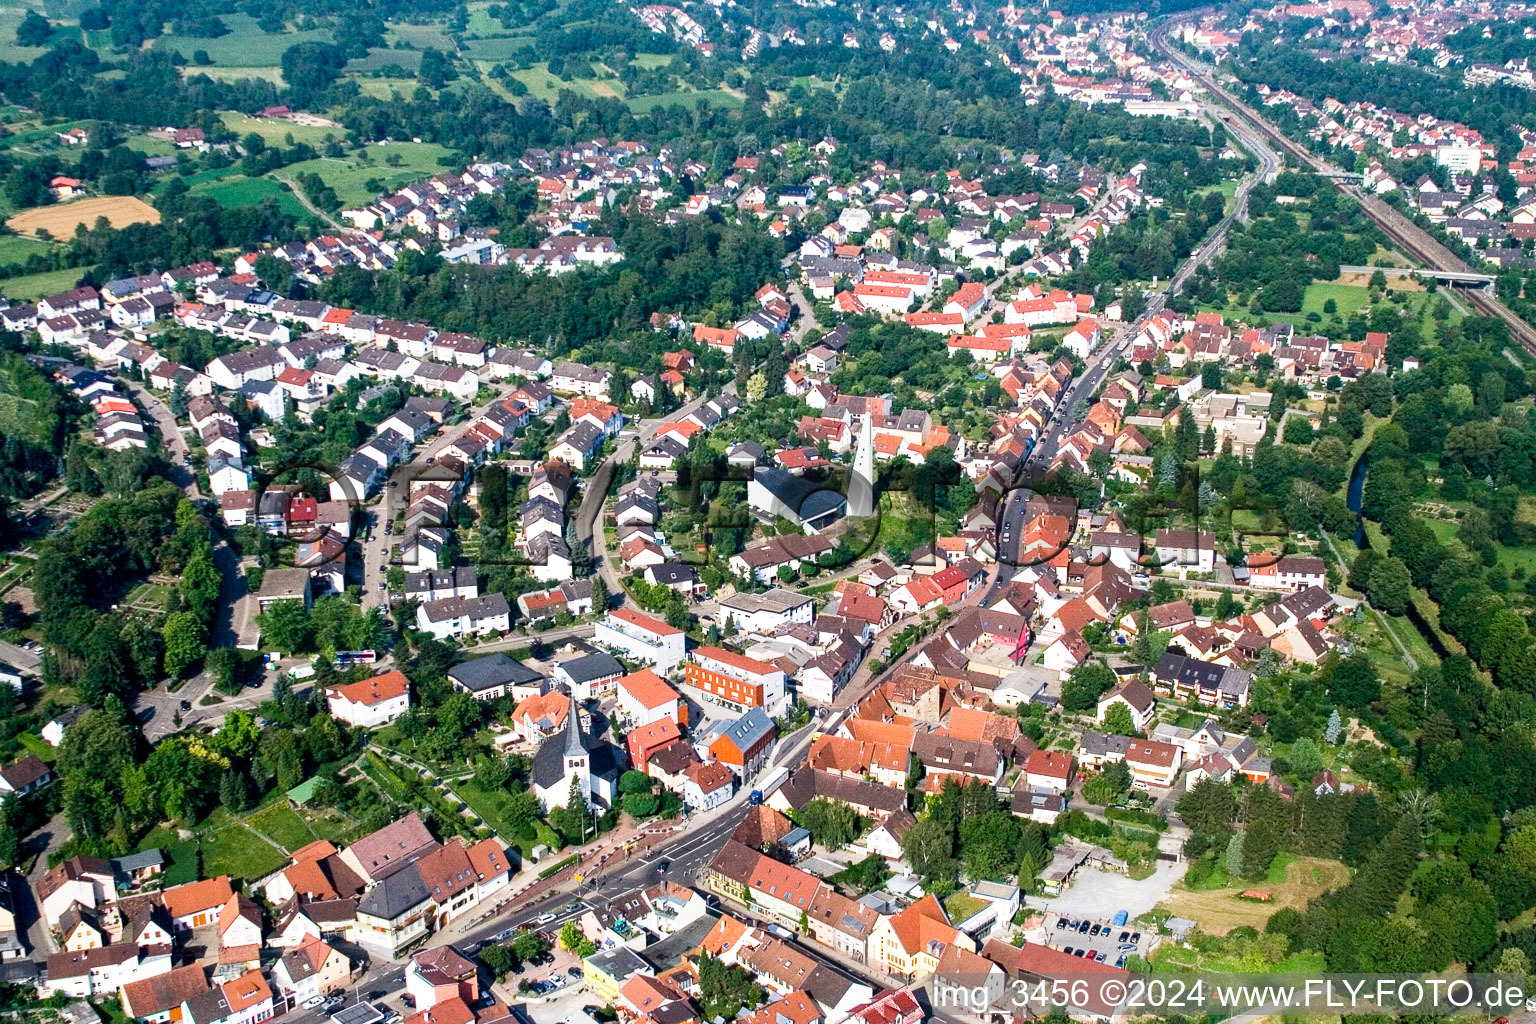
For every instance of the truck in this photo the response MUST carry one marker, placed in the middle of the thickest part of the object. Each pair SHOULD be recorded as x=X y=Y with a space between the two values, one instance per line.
x=768 y=786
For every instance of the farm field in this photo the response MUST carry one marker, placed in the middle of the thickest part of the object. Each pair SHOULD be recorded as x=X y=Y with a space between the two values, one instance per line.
x=1218 y=911
x=244 y=46
x=497 y=48
x=386 y=88
x=35 y=286
x=60 y=220
x=377 y=60
x=349 y=176
x=239 y=190
x=273 y=74
x=547 y=87
x=715 y=98
x=420 y=36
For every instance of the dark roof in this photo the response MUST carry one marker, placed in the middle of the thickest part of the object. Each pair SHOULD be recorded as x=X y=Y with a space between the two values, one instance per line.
x=806 y=784
x=395 y=894
x=810 y=499
x=592 y=666
x=490 y=672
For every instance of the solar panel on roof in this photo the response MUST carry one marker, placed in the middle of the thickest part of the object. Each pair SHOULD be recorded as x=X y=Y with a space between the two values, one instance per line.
x=358 y=1013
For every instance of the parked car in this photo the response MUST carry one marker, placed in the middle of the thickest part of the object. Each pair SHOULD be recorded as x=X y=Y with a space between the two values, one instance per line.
x=312 y=1002
x=576 y=972
x=1083 y=927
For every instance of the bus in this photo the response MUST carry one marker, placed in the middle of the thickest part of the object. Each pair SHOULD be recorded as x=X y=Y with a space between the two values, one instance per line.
x=344 y=658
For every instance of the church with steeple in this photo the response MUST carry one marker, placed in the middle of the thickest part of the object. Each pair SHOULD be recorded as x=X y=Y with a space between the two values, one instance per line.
x=570 y=754
x=562 y=757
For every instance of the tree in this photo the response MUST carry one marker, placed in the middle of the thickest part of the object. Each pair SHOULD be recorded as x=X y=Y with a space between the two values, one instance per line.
x=309 y=67
x=1334 y=730
x=929 y=847
x=571 y=936
x=185 y=642
x=498 y=959
x=1390 y=586
x=1118 y=719
x=34 y=30
x=1150 y=643
x=832 y=823
x=1306 y=759
x=285 y=626
x=527 y=944
x=1209 y=809
x=238 y=736
x=726 y=989
x=1086 y=684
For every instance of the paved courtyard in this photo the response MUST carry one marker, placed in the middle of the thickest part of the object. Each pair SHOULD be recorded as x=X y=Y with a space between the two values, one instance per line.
x=1097 y=895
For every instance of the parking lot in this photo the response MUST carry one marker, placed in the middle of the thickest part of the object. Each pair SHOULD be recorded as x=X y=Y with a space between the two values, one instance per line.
x=1101 y=941
x=554 y=975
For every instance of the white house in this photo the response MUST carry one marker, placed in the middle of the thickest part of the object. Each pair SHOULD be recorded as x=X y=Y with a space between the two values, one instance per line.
x=641 y=637
x=1083 y=339
x=371 y=702
x=766 y=612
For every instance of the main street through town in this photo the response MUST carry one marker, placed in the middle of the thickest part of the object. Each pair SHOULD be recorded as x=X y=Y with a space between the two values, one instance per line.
x=682 y=860
x=686 y=857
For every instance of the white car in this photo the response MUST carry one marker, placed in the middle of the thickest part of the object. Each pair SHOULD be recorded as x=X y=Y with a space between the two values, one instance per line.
x=312 y=1002
x=544 y=919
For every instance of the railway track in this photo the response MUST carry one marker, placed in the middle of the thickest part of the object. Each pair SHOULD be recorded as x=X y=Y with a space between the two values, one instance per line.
x=1408 y=236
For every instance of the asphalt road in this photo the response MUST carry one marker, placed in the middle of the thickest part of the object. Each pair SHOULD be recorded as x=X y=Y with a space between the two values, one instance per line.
x=595 y=491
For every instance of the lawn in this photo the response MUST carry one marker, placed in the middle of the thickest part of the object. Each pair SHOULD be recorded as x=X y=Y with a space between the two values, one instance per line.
x=242 y=191
x=282 y=825
x=181 y=857
x=490 y=805
x=1218 y=911
x=244 y=46
x=350 y=175
x=15 y=249
x=651 y=61
x=240 y=853
x=331 y=824
x=1509 y=558
x=35 y=286
x=715 y=98
x=150 y=147
x=277 y=132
